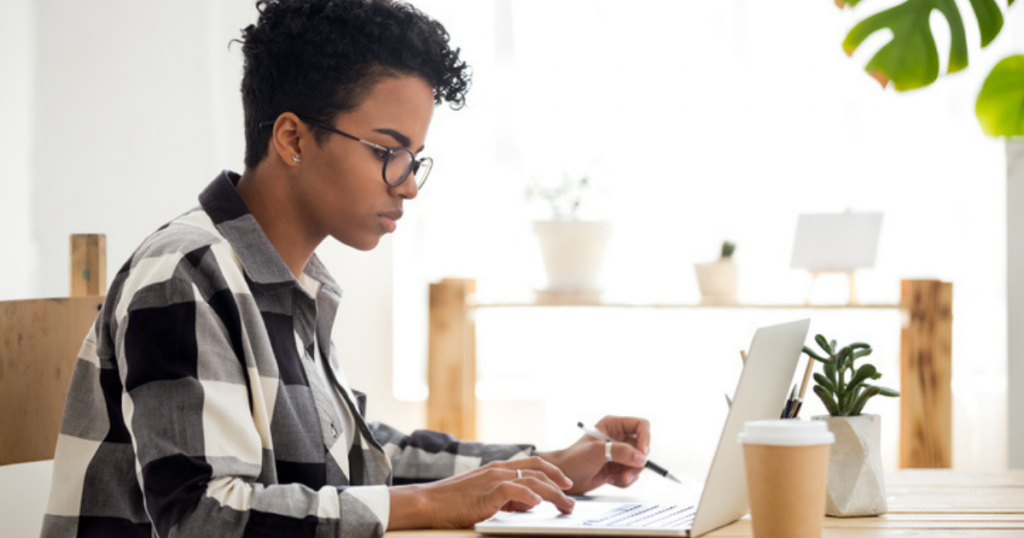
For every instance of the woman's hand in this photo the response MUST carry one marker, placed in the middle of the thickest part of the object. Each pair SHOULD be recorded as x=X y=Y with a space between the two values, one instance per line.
x=465 y=499
x=586 y=465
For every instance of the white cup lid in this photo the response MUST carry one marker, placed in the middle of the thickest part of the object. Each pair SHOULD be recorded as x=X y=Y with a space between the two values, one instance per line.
x=787 y=432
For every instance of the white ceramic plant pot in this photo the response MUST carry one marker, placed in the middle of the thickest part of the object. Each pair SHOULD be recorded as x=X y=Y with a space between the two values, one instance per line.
x=573 y=252
x=856 y=486
x=718 y=282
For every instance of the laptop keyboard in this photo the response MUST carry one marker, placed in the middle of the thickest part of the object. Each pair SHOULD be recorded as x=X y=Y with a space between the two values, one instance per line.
x=645 y=515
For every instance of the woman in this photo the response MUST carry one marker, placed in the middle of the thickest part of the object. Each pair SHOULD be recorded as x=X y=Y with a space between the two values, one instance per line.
x=208 y=399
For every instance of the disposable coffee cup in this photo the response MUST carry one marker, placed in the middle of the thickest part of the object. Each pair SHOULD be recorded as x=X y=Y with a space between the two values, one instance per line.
x=786 y=463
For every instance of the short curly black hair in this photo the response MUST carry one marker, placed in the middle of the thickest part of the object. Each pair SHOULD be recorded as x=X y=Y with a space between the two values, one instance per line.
x=319 y=58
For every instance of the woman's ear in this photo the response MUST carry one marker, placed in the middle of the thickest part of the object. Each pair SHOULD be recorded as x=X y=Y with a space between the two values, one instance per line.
x=288 y=132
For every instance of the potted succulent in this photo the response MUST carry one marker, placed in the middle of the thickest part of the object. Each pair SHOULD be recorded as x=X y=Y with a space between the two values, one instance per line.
x=573 y=249
x=718 y=280
x=855 y=481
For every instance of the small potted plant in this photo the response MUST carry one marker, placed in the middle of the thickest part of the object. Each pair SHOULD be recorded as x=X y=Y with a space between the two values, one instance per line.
x=855 y=480
x=718 y=280
x=573 y=249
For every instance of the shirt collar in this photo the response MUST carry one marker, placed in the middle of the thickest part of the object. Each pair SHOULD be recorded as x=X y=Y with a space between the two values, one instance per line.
x=262 y=264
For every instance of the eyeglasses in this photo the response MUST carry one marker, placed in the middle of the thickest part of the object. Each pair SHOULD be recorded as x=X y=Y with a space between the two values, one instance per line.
x=399 y=162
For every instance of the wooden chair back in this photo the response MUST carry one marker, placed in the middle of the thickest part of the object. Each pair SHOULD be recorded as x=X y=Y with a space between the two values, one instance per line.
x=39 y=343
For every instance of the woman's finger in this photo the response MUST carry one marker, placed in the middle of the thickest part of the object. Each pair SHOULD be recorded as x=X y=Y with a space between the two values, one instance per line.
x=549 y=492
x=618 y=475
x=514 y=506
x=624 y=454
x=539 y=464
x=505 y=493
x=539 y=475
x=643 y=436
x=633 y=429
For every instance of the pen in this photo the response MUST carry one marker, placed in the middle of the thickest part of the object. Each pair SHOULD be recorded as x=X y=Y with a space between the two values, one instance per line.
x=650 y=464
x=791 y=404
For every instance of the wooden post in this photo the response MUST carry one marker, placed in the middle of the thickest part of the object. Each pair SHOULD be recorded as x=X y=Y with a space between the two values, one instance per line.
x=926 y=401
x=451 y=406
x=88 y=265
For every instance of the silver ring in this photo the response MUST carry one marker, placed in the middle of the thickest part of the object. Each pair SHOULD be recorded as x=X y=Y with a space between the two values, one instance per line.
x=608 y=450
x=519 y=473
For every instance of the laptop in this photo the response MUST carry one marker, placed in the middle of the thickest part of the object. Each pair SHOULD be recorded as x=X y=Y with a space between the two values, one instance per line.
x=760 y=395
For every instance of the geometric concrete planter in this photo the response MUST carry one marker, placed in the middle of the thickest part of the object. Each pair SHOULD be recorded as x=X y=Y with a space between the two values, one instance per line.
x=855 y=483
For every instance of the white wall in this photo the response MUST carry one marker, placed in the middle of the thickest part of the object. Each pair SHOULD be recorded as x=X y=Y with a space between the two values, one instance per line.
x=22 y=496
x=16 y=68
x=123 y=139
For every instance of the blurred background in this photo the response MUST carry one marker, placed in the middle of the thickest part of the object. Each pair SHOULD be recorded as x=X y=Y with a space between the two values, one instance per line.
x=696 y=122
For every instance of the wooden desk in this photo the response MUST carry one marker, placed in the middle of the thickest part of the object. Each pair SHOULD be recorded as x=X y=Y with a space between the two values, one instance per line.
x=921 y=503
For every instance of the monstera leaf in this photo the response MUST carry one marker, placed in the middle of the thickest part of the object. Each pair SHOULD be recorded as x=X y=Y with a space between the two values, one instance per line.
x=911 y=59
x=1000 y=105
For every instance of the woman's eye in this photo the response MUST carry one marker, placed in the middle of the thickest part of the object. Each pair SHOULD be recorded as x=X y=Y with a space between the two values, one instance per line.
x=381 y=153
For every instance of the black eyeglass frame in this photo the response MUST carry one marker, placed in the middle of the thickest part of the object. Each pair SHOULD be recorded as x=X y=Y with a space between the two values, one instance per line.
x=414 y=162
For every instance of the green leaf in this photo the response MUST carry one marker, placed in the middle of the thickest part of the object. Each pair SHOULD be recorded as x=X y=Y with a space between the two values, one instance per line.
x=863 y=399
x=911 y=59
x=862 y=353
x=830 y=371
x=862 y=374
x=852 y=391
x=841 y=383
x=814 y=355
x=823 y=343
x=888 y=392
x=841 y=358
x=851 y=400
x=826 y=399
x=1000 y=104
x=825 y=383
x=990 y=19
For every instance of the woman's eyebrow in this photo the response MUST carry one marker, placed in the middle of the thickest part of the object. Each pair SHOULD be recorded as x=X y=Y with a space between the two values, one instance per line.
x=399 y=137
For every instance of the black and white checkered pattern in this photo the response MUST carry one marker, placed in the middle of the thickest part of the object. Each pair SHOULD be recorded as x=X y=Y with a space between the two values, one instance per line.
x=196 y=409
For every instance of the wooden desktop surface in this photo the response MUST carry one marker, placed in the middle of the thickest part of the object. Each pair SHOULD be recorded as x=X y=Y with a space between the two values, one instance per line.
x=921 y=503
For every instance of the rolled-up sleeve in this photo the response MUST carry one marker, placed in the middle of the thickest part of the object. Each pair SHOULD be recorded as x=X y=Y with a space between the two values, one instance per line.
x=426 y=455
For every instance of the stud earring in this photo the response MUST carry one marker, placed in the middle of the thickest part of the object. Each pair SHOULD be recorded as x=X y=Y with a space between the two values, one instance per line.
x=296 y=159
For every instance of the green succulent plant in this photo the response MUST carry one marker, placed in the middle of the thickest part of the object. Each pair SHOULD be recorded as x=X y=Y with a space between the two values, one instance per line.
x=728 y=247
x=844 y=388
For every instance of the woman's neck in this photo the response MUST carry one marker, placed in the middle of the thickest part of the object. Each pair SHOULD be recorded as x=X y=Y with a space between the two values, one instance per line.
x=274 y=207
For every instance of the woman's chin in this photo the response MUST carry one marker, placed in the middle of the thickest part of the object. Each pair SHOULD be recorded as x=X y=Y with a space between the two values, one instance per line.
x=360 y=243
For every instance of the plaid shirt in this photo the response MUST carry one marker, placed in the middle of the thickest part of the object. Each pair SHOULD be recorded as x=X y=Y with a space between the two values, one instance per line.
x=196 y=408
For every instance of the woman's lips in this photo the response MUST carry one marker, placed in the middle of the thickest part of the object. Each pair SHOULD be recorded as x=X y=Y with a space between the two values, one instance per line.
x=388 y=223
